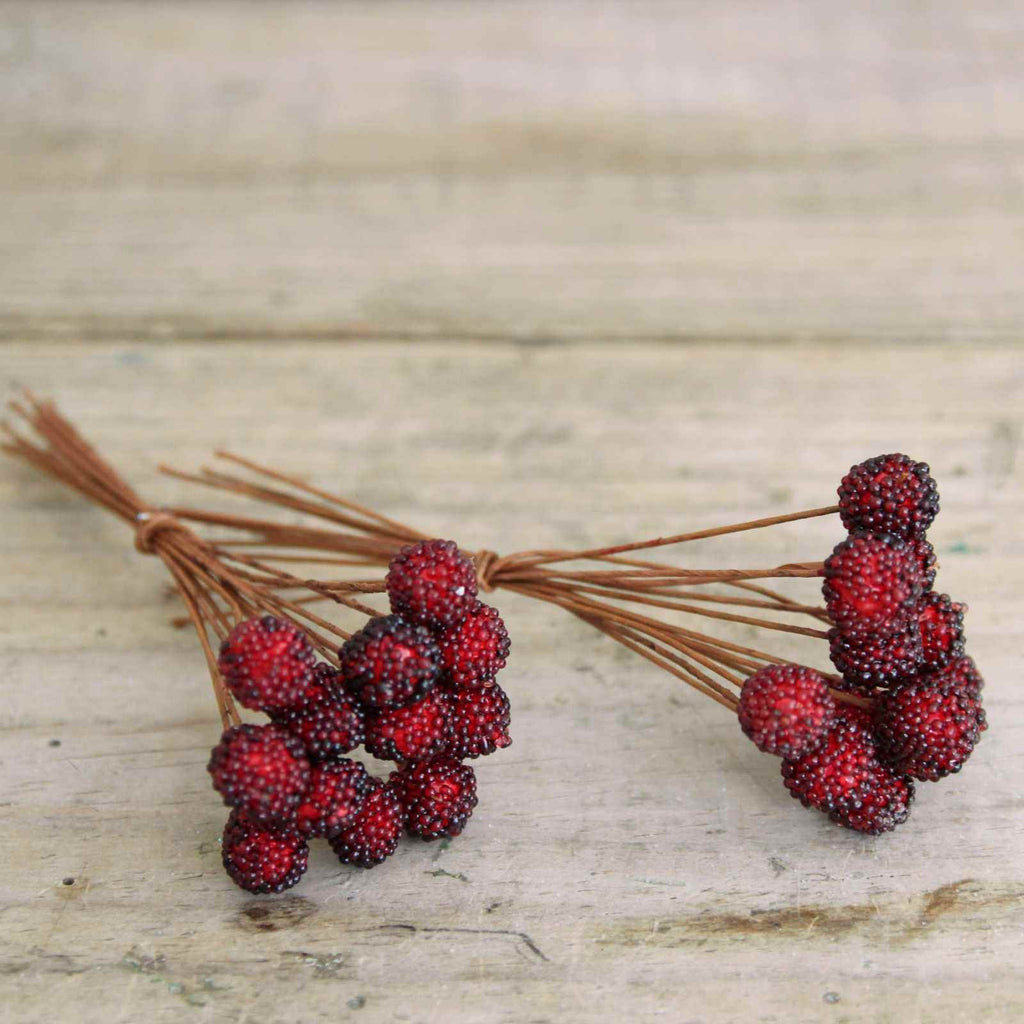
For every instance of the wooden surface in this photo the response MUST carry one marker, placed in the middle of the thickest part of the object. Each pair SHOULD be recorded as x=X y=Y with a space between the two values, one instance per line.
x=543 y=196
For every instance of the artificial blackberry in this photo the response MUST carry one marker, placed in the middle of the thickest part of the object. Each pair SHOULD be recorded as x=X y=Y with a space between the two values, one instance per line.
x=432 y=583
x=261 y=769
x=845 y=779
x=262 y=859
x=372 y=836
x=335 y=796
x=868 y=660
x=786 y=709
x=389 y=663
x=923 y=555
x=438 y=796
x=962 y=673
x=474 y=651
x=889 y=494
x=267 y=663
x=941 y=622
x=871 y=584
x=416 y=732
x=328 y=728
x=928 y=730
x=479 y=722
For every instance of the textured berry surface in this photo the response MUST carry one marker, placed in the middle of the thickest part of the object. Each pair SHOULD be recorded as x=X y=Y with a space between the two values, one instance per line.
x=871 y=583
x=261 y=769
x=374 y=833
x=786 y=709
x=438 y=796
x=923 y=555
x=432 y=583
x=927 y=730
x=889 y=494
x=335 y=796
x=267 y=664
x=389 y=662
x=962 y=673
x=475 y=651
x=416 y=732
x=867 y=660
x=845 y=778
x=941 y=622
x=479 y=722
x=261 y=859
x=327 y=728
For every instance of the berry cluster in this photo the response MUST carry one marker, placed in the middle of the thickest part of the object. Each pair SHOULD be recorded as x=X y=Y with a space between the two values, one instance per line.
x=416 y=687
x=916 y=709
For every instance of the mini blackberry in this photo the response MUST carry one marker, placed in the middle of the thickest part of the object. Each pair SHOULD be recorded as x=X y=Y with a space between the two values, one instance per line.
x=871 y=584
x=328 y=727
x=389 y=663
x=372 y=836
x=923 y=555
x=962 y=673
x=928 y=730
x=867 y=660
x=942 y=630
x=267 y=663
x=889 y=494
x=261 y=859
x=416 y=732
x=474 y=651
x=786 y=709
x=479 y=722
x=845 y=779
x=432 y=583
x=261 y=769
x=438 y=796
x=334 y=798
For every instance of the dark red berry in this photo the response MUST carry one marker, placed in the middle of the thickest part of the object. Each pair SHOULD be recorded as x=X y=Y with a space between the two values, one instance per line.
x=962 y=673
x=328 y=728
x=261 y=769
x=432 y=583
x=786 y=709
x=845 y=778
x=389 y=662
x=438 y=796
x=942 y=630
x=867 y=660
x=267 y=663
x=373 y=834
x=474 y=651
x=871 y=584
x=335 y=796
x=416 y=732
x=479 y=722
x=889 y=494
x=928 y=730
x=923 y=555
x=262 y=859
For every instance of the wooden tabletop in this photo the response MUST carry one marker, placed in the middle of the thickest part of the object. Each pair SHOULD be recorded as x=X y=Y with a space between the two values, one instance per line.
x=525 y=275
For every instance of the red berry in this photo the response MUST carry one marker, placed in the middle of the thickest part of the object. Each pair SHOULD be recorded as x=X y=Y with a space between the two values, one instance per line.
x=889 y=494
x=416 y=732
x=871 y=583
x=389 y=663
x=923 y=555
x=328 y=728
x=786 y=709
x=373 y=834
x=479 y=722
x=845 y=779
x=942 y=630
x=432 y=583
x=438 y=796
x=474 y=651
x=867 y=660
x=928 y=730
x=261 y=769
x=261 y=859
x=962 y=673
x=335 y=796
x=267 y=663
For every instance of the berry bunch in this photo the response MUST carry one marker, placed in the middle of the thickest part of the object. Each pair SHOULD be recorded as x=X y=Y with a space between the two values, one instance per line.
x=416 y=687
x=914 y=706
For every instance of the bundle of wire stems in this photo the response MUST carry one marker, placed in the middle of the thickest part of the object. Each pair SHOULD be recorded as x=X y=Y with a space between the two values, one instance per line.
x=247 y=565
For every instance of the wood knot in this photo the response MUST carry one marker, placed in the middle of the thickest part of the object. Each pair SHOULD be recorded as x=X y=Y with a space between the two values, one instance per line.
x=487 y=564
x=148 y=525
